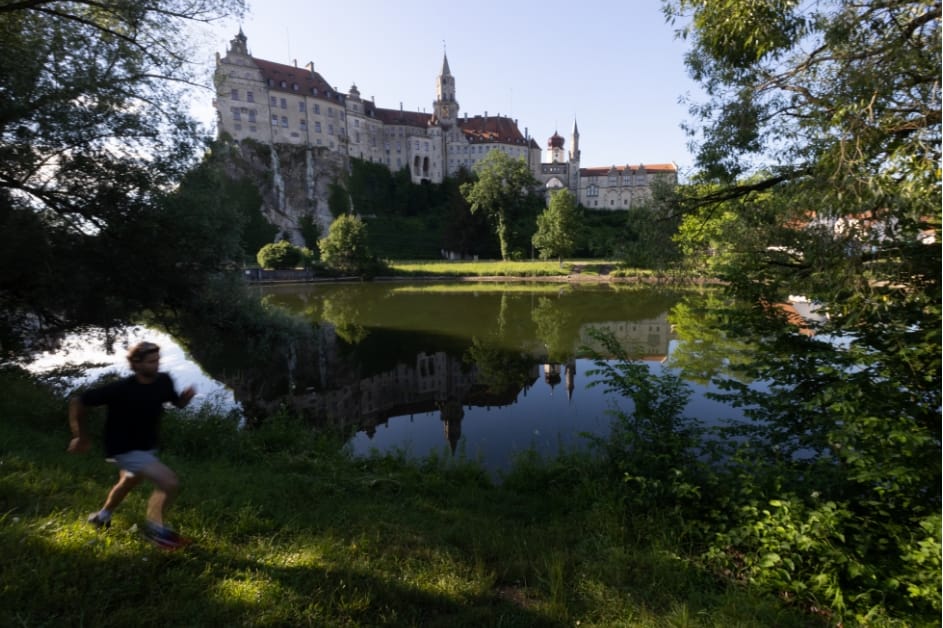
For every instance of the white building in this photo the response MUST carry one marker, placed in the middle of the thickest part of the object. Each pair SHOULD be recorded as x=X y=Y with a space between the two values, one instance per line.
x=274 y=103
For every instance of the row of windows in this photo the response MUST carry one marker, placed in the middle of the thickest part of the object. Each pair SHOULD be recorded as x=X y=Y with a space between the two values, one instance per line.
x=634 y=179
x=314 y=90
x=593 y=190
x=282 y=103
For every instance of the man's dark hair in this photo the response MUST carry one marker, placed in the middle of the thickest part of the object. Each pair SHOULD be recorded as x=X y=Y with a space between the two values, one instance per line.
x=141 y=350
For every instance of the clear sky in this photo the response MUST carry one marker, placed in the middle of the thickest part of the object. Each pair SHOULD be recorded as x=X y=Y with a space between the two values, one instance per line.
x=614 y=67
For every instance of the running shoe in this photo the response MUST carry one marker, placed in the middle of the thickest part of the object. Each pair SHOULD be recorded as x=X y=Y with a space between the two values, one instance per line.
x=165 y=538
x=95 y=520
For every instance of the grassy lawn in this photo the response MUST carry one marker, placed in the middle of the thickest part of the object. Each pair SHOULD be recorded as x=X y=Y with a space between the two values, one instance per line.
x=291 y=531
x=498 y=268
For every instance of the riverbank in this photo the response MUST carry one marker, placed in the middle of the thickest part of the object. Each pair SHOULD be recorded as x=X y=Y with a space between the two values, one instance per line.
x=290 y=530
x=492 y=271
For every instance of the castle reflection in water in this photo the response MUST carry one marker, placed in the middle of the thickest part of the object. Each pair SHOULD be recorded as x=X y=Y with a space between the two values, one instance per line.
x=448 y=384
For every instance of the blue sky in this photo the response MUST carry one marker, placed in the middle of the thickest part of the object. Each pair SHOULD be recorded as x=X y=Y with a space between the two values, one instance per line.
x=616 y=67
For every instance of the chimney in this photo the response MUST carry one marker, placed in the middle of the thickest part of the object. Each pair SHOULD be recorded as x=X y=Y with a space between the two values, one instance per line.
x=310 y=67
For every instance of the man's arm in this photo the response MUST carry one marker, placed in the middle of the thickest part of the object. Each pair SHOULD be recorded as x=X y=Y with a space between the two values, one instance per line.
x=185 y=397
x=80 y=442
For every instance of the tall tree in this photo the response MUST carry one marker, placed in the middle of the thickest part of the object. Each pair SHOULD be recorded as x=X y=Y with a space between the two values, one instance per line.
x=504 y=191
x=557 y=227
x=344 y=248
x=819 y=150
x=94 y=132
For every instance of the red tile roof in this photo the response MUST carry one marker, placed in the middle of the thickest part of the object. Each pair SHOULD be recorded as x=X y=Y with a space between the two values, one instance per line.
x=606 y=170
x=492 y=130
x=398 y=116
x=296 y=80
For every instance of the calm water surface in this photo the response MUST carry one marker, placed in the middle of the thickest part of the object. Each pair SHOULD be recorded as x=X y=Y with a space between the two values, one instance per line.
x=478 y=370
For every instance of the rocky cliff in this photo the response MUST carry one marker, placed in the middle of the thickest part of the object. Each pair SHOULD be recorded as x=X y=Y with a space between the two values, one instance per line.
x=294 y=181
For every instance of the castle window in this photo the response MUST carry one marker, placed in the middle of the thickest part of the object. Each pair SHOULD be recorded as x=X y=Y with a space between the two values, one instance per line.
x=284 y=103
x=294 y=87
x=273 y=101
x=234 y=94
x=283 y=84
x=303 y=124
x=301 y=106
x=274 y=120
x=285 y=122
x=330 y=130
x=252 y=116
x=250 y=96
x=317 y=108
x=317 y=126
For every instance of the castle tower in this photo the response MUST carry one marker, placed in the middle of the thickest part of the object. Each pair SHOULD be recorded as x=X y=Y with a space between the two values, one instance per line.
x=574 y=179
x=555 y=148
x=238 y=43
x=575 y=144
x=445 y=105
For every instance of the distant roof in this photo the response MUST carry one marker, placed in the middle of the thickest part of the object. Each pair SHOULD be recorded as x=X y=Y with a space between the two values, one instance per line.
x=492 y=130
x=606 y=170
x=401 y=117
x=291 y=78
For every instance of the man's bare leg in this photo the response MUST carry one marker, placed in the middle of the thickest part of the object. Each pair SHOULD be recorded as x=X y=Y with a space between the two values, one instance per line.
x=126 y=482
x=166 y=486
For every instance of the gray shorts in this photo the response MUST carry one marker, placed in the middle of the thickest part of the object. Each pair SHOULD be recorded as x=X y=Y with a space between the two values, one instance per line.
x=132 y=462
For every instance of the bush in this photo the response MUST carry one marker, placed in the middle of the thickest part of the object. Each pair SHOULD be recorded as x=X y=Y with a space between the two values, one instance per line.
x=282 y=255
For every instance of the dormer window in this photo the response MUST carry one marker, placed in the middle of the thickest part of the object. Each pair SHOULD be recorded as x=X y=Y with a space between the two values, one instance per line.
x=283 y=84
x=294 y=87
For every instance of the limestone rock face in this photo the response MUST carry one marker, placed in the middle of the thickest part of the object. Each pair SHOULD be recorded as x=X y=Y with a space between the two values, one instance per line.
x=294 y=181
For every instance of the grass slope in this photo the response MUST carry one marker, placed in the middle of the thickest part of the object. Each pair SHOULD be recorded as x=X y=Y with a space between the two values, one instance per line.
x=291 y=531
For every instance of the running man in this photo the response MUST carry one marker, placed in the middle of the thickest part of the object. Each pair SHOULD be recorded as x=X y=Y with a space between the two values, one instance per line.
x=135 y=405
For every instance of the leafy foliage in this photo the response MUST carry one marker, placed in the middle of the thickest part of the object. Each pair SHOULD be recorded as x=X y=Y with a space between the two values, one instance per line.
x=283 y=254
x=557 y=227
x=344 y=249
x=504 y=191
x=94 y=131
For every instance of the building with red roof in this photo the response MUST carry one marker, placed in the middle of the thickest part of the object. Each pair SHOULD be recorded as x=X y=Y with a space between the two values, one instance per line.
x=275 y=103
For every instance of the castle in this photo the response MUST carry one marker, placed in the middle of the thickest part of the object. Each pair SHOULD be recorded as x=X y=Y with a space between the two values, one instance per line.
x=274 y=103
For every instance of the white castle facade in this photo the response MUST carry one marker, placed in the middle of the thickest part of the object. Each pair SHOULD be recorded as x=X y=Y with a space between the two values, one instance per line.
x=274 y=103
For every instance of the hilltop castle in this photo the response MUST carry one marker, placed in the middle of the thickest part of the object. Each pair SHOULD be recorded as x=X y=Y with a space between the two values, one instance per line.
x=274 y=103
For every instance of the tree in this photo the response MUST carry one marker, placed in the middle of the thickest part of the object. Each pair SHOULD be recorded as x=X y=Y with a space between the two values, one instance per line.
x=503 y=191
x=345 y=246
x=94 y=136
x=819 y=152
x=557 y=227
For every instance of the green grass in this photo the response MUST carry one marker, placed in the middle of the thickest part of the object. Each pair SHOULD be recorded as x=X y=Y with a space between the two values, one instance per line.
x=292 y=531
x=497 y=268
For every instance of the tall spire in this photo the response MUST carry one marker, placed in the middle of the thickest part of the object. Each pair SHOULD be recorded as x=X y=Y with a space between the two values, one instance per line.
x=575 y=143
x=445 y=65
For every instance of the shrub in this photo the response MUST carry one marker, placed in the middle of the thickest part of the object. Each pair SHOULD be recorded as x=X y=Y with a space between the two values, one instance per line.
x=281 y=255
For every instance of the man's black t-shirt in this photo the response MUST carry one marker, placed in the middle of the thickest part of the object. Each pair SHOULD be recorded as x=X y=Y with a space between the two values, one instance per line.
x=134 y=411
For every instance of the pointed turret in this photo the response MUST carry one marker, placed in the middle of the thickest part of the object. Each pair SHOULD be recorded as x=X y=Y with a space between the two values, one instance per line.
x=575 y=144
x=238 y=43
x=445 y=65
